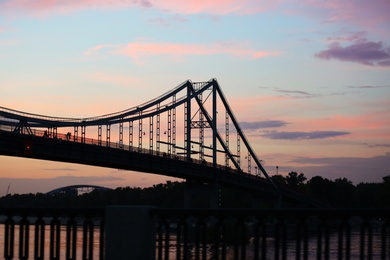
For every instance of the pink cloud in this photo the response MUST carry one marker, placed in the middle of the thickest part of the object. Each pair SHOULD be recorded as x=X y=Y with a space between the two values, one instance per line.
x=46 y=7
x=220 y=7
x=139 y=49
x=215 y=7
x=358 y=11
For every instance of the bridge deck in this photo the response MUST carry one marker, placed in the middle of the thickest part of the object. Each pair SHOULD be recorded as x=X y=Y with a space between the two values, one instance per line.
x=113 y=155
x=123 y=157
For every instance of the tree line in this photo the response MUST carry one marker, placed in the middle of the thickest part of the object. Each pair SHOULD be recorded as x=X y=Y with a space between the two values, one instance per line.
x=338 y=193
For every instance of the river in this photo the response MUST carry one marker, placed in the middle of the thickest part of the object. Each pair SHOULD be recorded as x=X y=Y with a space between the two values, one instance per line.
x=354 y=253
x=62 y=250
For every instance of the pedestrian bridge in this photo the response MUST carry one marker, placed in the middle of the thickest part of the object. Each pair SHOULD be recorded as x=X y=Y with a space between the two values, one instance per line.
x=190 y=132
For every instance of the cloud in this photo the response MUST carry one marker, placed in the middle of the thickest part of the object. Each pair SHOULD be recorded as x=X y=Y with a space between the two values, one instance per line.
x=360 y=12
x=376 y=145
x=49 y=7
x=360 y=51
x=219 y=7
x=139 y=49
x=302 y=135
x=60 y=169
x=368 y=87
x=297 y=93
x=262 y=124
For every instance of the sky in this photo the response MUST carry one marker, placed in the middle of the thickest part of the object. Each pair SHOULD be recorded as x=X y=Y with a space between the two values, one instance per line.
x=308 y=80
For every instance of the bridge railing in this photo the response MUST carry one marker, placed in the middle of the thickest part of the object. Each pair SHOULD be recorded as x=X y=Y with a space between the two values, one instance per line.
x=129 y=232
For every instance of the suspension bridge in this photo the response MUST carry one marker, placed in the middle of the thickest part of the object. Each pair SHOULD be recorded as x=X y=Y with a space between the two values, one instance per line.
x=190 y=132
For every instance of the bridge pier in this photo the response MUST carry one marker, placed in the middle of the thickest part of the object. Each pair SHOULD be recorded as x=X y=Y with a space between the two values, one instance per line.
x=201 y=195
x=130 y=233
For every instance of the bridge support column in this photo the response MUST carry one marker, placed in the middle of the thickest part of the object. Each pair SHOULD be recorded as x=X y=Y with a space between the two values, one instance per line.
x=201 y=195
x=130 y=233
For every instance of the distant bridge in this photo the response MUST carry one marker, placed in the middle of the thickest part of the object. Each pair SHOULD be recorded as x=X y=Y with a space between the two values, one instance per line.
x=189 y=132
x=77 y=189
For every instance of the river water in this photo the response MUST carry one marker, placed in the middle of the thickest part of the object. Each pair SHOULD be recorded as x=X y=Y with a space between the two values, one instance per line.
x=62 y=251
x=354 y=252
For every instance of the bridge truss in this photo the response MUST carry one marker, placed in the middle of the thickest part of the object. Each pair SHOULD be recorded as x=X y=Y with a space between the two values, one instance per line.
x=193 y=122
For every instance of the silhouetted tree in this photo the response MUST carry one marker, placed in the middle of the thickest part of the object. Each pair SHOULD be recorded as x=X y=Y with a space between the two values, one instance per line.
x=295 y=180
x=343 y=193
x=338 y=193
x=384 y=193
x=279 y=179
x=367 y=195
x=318 y=188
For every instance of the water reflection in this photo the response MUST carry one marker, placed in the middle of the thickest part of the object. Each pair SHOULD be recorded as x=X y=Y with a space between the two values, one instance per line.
x=62 y=250
x=352 y=247
x=313 y=250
